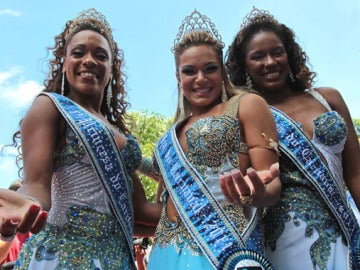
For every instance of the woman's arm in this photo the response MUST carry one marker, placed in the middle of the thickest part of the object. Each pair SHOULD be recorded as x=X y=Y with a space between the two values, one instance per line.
x=40 y=130
x=351 y=152
x=145 y=212
x=141 y=230
x=262 y=180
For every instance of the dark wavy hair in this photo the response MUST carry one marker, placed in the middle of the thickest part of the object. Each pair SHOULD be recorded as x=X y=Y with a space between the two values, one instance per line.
x=261 y=21
x=116 y=114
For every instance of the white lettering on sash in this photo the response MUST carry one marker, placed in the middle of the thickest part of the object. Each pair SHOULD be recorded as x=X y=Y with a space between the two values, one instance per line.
x=85 y=123
x=115 y=181
x=123 y=206
x=293 y=141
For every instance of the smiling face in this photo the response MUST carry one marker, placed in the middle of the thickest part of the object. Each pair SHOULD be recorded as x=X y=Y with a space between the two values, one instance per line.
x=267 y=62
x=200 y=75
x=88 y=63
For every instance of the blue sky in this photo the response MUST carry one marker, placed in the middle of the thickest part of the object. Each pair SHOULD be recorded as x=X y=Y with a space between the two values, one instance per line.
x=328 y=30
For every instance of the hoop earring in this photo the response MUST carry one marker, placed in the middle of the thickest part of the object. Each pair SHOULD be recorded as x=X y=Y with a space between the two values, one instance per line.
x=181 y=101
x=62 y=90
x=291 y=76
x=109 y=95
x=224 y=97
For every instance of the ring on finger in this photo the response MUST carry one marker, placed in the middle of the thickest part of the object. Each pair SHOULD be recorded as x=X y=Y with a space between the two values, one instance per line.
x=7 y=238
x=246 y=199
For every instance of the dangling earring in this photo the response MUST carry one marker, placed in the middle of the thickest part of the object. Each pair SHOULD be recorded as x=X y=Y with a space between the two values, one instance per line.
x=62 y=91
x=248 y=81
x=181 y=101
x=291 y=76
x=109 y=94
x=224 y=97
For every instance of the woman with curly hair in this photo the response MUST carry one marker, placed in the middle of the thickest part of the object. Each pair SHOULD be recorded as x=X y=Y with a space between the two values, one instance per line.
x=312 y=226
x=80 y=158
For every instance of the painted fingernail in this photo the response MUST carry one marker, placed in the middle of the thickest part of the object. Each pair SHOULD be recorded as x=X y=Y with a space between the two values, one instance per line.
x=44 y=215
x=34 y=208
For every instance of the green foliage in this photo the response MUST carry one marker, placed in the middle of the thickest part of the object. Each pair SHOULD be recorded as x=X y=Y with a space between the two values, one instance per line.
x=357 y=127
x=148 y=127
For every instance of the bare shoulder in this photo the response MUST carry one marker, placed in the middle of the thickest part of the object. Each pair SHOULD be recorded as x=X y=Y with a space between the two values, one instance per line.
x=252 y=99
x=332 y=96
x=43 y=102
x=253 y=108
x=336 y=102
x=42 y=108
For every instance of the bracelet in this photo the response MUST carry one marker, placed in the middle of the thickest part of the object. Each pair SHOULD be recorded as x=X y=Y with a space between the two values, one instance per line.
x=145 y=166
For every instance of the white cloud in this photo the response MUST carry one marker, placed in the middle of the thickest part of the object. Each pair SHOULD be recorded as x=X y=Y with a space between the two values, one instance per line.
x=8 y=151
x=10 y=12
x=20 y=93
x=8 y=171
x=4 y=76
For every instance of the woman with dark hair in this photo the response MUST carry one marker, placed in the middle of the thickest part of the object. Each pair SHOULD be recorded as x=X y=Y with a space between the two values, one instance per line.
x=80 y=158
x=312 y=226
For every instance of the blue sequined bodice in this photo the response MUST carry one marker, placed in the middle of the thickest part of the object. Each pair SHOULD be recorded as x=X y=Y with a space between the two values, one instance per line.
x=330 y=132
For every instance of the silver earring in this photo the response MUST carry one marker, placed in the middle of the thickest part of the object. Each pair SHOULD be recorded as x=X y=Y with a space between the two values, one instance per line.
x=248 y=81
x=62 y=91
x=109 y=95
x=224 y=97
x=291 y=76
x=181 y=101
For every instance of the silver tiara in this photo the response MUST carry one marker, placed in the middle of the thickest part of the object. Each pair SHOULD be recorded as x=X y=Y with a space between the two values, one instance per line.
x=196 y=22
x=257 y=16
x=91 y=17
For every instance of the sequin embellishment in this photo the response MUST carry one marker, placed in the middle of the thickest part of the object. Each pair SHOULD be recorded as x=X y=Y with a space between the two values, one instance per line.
x=330 y=128
x=88 y=239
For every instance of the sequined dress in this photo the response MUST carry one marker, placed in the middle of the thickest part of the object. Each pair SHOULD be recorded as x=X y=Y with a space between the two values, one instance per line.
x=300 y=231
x=212 y=141
x=81 y=232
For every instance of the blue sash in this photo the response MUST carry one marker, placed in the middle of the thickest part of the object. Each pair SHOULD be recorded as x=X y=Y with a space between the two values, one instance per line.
x=106 y=159
x=204 y=218
x=294 y=143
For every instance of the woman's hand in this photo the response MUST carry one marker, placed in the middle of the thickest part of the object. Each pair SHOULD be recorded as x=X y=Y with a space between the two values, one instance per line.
x=19 y=214
x=250 y=189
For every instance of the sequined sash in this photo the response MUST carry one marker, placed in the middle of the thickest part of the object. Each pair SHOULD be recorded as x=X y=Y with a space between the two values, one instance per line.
x=106 y=159
x=294 y=143
x=212 y=229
